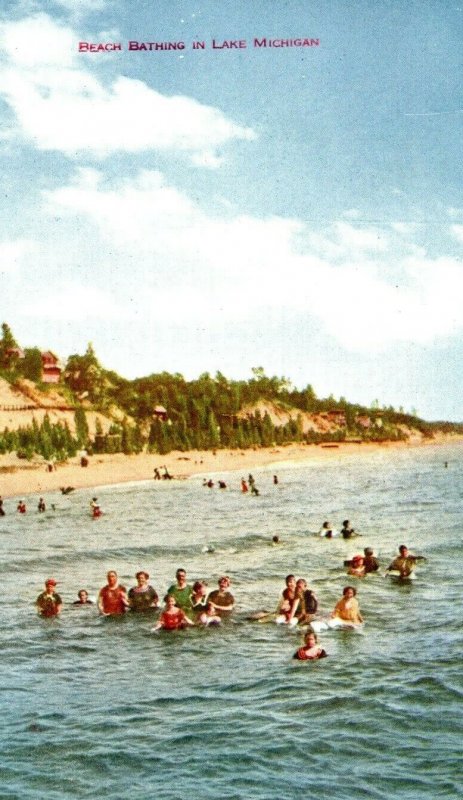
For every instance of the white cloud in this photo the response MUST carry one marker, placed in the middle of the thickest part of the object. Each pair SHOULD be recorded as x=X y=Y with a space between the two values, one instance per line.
x=62 y=108
x=75 y=302
x=457 y=232
x=13 y=254
x=206 y=266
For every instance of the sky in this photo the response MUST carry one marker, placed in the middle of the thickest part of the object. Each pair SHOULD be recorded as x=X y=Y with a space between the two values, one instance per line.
x=194 y=210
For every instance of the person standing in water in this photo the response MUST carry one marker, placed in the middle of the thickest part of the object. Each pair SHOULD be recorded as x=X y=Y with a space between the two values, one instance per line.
x=143 y=597
x=112 y=598
x=181 y=591
x=49 y=603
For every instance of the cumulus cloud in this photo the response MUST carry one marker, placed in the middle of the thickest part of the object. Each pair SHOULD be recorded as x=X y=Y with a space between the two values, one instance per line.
x=75 y=302
x=205 y=266
x=13 y=253
x=60 y=107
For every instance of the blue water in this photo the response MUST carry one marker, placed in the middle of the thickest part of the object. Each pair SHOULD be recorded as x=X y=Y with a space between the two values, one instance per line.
x=96 y=707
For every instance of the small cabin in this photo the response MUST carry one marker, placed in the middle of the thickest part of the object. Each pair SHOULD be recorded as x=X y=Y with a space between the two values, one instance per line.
x=51 y=367
x=159 y=412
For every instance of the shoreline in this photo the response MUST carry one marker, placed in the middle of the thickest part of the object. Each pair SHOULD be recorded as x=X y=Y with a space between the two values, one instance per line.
x=18 y=479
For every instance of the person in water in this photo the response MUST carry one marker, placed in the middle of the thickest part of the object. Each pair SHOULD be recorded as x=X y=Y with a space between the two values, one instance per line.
x=112 y=598
x=172 y=618
x=199 y=597
x=244 y=486
x=275 y=480
x=41 y=507
x=370 y=562
x=143 y=597
x=288 y=603
x=209 y=616
x=404 y=563
x=21 y=507
x=181 y=591
x=310 y=650
x=347 y=608
x=347 y=531
x=222 y=599
x=49 y=603
x=2 y=510
x=83 y=600
x=327 y=530
x=357 y=567
x=308 y=603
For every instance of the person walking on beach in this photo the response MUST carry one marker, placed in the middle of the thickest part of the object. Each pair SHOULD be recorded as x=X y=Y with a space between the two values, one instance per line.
x=112 y=598
x=49 y=603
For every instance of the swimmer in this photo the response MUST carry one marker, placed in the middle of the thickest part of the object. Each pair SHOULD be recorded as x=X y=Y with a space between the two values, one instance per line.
x=172 y=618
x=209 y=616
x=49 y=603
x=83 y=600
x=347 y=531
x=112 y=598
x=143 y=597
x=288 y=603
x=21 y=507
x=311 y=650
x=327 y=531
x=346 y=610
x=370 y=562
x=221 y=598
x=41 y=506
x=404 y=563
x=222 y=485
x=357 y=567
x=275 y=540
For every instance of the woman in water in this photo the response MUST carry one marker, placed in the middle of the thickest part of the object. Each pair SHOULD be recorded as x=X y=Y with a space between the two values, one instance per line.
x=172 y=618
x=346 y=610
x=310 y=650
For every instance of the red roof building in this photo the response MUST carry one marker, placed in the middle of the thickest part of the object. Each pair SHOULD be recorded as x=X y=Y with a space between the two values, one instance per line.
x=51 y=367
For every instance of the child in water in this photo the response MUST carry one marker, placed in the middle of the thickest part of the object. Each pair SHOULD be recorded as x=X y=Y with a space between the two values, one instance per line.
x=209 y=616
x=172 y=618
x=310 y=650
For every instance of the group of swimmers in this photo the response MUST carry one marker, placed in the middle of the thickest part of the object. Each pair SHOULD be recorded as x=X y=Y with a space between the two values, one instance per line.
x=185 y=604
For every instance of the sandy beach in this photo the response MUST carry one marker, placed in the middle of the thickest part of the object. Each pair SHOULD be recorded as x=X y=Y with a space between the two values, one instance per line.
x=22 y=478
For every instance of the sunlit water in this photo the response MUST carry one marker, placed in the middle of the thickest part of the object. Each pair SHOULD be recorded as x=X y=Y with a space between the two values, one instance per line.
x=96 y=707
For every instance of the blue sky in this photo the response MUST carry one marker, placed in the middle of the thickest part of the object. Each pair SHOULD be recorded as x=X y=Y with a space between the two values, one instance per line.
x=294 y=208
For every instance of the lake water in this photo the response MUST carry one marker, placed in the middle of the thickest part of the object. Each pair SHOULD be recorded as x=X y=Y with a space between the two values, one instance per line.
x=95 y=707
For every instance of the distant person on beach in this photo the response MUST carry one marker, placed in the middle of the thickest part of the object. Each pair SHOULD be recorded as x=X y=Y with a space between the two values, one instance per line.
x=21 y=507
x=404 y=563
x=327 y=531
x=311 y=650
x=157 y=474
x=347 y=609
x=275 y=480
x=181 y=591
x=143 y=597
x=172 y=617
x=244 y=486
x=347 y=531
x=112 y=598
x=222 y=485
x=222 y=599
x=94 y=503
x=49 y=603
x=275 y=540
x=96 y=512
x=370 y=562
x=83 y=600
x=254 y=490
x=41 y=506
x=2 y=510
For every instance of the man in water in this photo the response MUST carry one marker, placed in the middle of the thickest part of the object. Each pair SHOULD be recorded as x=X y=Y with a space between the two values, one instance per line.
x=49 y=603
x=222 y=599
x=83 y=600
x=181 y=591
x=143 y=597
x=347 y=531
x=370 y=562
x=112 y=598
x=404 y=563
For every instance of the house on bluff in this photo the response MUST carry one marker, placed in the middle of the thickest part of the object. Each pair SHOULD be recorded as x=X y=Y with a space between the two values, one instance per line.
x=51 y=367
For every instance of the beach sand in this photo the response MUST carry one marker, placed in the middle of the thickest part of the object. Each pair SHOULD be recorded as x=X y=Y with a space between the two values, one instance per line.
x=19 y=478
